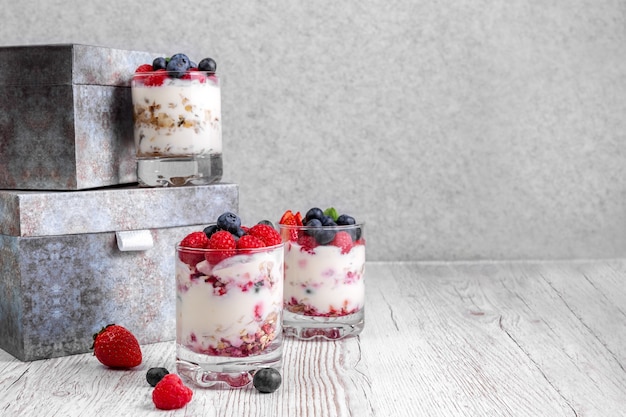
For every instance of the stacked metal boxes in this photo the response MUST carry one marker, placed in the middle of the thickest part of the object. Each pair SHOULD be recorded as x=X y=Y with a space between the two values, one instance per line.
x=81 y=246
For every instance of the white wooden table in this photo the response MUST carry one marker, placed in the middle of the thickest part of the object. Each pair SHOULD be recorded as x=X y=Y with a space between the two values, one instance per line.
x=441 y=339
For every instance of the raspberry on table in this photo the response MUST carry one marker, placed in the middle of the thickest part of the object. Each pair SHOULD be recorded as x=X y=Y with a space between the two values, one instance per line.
x=171 y=393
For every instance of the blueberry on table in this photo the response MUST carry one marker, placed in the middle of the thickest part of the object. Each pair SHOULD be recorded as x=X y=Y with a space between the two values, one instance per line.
x=178 y=65
x=154 y=375
x=267 y=380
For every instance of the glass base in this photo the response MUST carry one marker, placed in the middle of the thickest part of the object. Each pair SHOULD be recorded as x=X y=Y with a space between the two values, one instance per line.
x=223 y=372
x=330 y=328
x=179 y=171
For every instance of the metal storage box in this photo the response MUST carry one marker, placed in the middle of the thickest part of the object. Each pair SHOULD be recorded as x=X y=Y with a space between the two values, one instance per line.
x=64 y=275
x=66 y=116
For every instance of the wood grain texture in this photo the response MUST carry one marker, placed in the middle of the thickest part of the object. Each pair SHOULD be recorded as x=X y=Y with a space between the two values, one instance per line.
x=441 y=339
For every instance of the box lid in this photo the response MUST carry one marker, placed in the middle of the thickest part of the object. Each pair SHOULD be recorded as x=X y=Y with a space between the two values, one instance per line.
x=66 y=64
x=112 y=209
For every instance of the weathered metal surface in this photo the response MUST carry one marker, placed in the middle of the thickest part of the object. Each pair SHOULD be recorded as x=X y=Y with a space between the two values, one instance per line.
x=57 y=289
x=66 y=116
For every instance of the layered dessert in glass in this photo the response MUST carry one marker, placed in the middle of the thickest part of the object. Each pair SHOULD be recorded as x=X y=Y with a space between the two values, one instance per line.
x=324 y=293
x=229 y=305
x=177 y=127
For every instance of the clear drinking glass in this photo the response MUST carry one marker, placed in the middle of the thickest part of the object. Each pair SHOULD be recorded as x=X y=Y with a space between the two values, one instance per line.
x=324 y=294
x=228 y=314
x=178 y=128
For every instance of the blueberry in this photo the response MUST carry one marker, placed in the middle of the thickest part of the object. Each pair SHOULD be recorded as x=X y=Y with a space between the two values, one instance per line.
x=209 y=230
x=208 y=64
x=328 y=221
x=314 y=213
x=323 y=235
x=159 y=63
x=230 y=222
x=154 y=375
x=267 y=380
x=313 y=223
x=267 y=222
x=240 y=232
x=178 y=65
x=345 y=220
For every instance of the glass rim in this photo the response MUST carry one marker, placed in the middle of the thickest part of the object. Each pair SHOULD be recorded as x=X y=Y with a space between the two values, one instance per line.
x=244 y=251
x=161 y=71
x=334 y=227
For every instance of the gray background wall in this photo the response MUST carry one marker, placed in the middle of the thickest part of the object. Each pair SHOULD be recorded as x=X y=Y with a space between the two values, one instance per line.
x=456 y=130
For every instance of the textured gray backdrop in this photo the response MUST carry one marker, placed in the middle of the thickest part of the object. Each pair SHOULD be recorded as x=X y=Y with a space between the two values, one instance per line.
x=456 y=130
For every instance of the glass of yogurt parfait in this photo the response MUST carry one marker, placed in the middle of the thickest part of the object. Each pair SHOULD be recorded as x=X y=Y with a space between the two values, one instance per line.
x=229 y=305
x=324 y=293
x=177 y=122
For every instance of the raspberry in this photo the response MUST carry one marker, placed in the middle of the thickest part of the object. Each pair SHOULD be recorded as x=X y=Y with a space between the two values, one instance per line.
x=307 y=242
x=342 y=240
x=194 y=74
x=170 y=393
x=247 y=242
x=223 y=245
x=193 y=240
x=266 y=233
x=144 y=68
x=155 y=79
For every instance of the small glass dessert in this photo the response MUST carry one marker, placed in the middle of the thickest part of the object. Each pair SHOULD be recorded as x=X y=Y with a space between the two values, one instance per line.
x=177 y=122
x=229 y=304
x=324 y=293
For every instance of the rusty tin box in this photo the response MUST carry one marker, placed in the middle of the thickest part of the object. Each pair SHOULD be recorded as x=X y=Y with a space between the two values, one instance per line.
x=72 y=262
x=66 y=116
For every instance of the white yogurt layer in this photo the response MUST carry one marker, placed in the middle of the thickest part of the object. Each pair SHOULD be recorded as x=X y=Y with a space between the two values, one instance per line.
x=326 y=282
x=238 y=310
x=178 y=118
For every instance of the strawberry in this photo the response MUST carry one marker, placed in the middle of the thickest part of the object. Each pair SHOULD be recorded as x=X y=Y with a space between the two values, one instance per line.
x=266 y=233
x=196 y=240
x=247 y=242
x=171 y=393
x=342 y=240
x=144 y=68
x=290 y=219
x=223 y=245
x=116 y=347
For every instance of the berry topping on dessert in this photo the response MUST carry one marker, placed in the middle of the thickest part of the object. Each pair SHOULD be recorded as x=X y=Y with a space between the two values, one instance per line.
x=208 y=65
x=177 y=66
x=170 y=393
x=224 y=245
x=227 y=237
x=116 y=347
x=324 y=263
x=230 y=303
x=267 y=380
x=321 y=225
x=154 y=375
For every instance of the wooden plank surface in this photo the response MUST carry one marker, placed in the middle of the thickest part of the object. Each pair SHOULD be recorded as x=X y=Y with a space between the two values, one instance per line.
x=441 y=339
